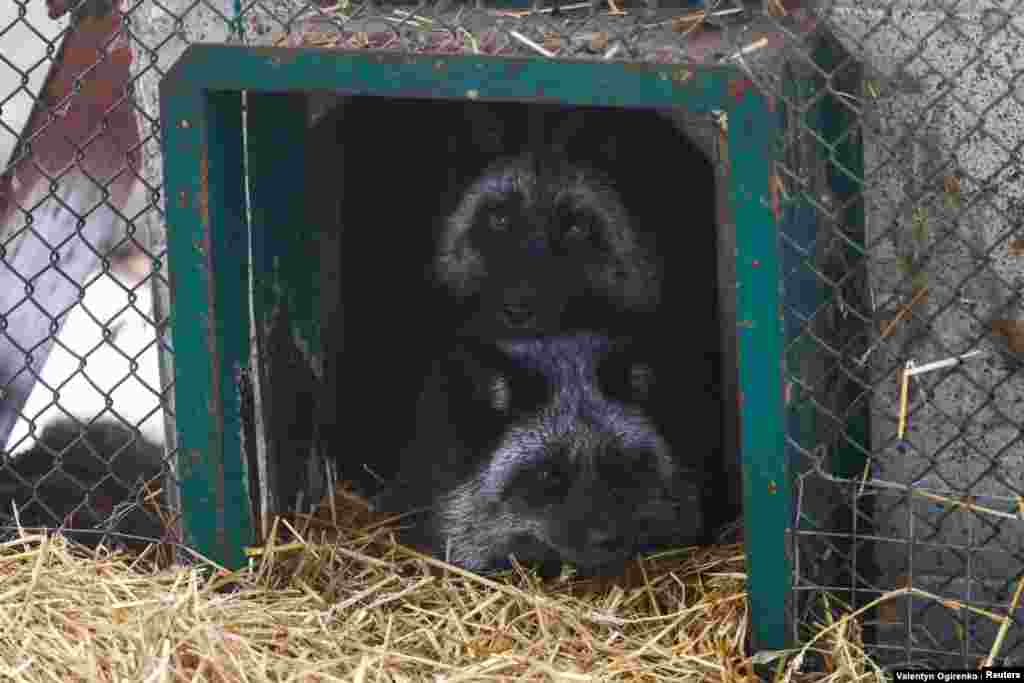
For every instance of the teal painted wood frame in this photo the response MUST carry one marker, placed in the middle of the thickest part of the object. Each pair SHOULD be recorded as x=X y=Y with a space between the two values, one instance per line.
x=209 y=263
x=204 y=186
x=823 y=126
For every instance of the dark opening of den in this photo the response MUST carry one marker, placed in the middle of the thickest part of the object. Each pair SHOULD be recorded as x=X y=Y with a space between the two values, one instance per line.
x=528 y=321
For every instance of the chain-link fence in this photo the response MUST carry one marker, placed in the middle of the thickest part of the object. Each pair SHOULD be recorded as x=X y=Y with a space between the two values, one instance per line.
x=909 y=370
x=81 y=416
x=920 y=380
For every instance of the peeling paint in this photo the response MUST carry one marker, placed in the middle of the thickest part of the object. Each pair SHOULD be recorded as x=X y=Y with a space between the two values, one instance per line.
x=775 y=185
x=216 y=399
x=738 y=88
x=204 y=188
x=681 y=75
x=721 y=121
x=277 y=57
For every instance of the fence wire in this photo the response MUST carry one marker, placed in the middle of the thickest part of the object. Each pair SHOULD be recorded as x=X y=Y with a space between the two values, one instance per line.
x=929 y=397
x=919 y=258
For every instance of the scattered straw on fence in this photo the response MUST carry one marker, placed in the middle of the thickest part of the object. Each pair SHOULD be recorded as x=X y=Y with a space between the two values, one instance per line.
x=341 y=601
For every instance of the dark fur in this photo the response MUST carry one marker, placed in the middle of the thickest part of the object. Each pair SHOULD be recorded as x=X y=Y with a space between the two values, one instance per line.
x=542 y=447
x=538 y=245
x=85 y=483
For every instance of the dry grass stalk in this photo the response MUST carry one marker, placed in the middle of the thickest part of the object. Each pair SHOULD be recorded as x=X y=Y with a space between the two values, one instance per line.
x=904 y=310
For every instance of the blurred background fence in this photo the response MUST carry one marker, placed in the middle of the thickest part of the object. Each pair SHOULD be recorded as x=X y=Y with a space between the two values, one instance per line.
x=936 y=273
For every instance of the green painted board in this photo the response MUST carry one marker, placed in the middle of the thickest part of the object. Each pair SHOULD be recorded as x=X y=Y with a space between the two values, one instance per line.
x=208 y=264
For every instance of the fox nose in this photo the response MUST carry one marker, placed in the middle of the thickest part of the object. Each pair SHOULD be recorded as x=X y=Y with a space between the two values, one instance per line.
x=519 y=306
x=518 y=315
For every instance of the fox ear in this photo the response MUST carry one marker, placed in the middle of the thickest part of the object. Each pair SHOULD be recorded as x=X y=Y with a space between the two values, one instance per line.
x=626 y=375
x=496 y=383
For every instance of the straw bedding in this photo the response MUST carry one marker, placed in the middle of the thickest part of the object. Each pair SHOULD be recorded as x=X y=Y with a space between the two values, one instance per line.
x=340 y=600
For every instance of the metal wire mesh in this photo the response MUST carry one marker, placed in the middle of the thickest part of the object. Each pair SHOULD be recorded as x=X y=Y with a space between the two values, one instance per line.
x=81 y=416
x=918 y=251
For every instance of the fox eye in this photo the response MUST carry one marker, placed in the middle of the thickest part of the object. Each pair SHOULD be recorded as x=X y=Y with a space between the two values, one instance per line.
x=578 y=231
x=542 y=483
x=624 y=471
x=551 y=479
x=499 y=221
x=579 y=228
